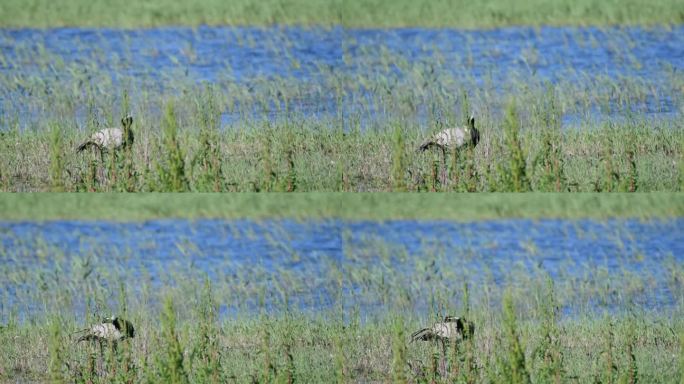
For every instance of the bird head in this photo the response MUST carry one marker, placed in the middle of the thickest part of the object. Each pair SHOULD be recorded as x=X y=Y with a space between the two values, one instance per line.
x=125 y=326
x=127 y=121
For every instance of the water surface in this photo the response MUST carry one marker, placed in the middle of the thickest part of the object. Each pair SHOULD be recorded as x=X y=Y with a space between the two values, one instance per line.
x=309 y=259
x=340 y=69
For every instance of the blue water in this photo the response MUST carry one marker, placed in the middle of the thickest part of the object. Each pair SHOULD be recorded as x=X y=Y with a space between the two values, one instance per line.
x=241 y=59
x=419 y=255
x=207 y=52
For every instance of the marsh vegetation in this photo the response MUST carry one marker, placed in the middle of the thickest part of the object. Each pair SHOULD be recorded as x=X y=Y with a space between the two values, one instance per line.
x=295 y=109
x=322 y=301
x=316 y=96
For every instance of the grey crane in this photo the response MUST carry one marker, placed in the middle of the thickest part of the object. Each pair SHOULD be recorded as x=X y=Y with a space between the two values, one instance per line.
x=451 y=328
x=111 y=138
x=110 y=330
x=452 y=139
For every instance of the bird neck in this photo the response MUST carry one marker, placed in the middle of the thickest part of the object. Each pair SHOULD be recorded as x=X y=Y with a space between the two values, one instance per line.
x=474 y=135
x=128 y=131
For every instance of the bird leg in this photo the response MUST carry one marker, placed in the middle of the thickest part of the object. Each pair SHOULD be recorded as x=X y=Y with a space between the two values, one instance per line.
x=434 y=365
x=443 y=175
x=442 y=361
x=454 y=358
x=112 y=358
x=434 y=175
x=100 y=360
x=100 y=167
x=454 y=168
x=92 y=364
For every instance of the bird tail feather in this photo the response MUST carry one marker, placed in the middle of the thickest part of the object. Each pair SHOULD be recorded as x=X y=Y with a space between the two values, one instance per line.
x=425 y=146
x=85 y=338
x=84 y=146
x=423 y=334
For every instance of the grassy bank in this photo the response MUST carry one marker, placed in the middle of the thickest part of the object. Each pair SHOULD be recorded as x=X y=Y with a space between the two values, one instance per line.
x=355 y=13
x=312 y=155
x=199 y=348
x=378 y=206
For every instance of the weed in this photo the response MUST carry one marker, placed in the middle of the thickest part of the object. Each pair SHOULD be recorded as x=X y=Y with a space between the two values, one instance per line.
x=172 y=170
x=516 y=174
x=399 y=352
x=610 y=368
x=171 y=362
x=549 y=161
x=205 y=355
x=549 y=352
x=56 y=160
x=516 y=368
x=56 y=348
x=398 y=161
x=207 y=162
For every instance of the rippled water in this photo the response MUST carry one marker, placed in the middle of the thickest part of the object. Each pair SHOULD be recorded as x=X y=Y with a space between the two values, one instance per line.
x=306 y=256
x=227 y=56
x=207 y=52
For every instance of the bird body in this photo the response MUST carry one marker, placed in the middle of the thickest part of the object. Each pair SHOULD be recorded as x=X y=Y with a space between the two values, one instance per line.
x=451 y=328
x=453 y=138
x=448 y=138
x=111 y=138
x=108 y=137
x=111 y=330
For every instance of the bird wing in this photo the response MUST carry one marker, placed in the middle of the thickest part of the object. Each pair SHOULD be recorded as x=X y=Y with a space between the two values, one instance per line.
x=422 y=334
x=444 y=330
x=105 y=331
x=452 y=137
x=442 y=138
x=99 y=138
x=108 y=137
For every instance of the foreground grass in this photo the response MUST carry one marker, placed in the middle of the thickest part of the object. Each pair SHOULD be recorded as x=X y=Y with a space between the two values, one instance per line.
x=316 y=157
x=521 y=335
x=216 y=318
x=370 y=206
x=183 y=152
x=355 y=13
x=326 y=348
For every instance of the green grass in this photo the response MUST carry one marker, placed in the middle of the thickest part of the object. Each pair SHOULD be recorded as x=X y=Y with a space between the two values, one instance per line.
x=353 y=13
x=366 y=206
x=311 y=155
x=304 y=350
